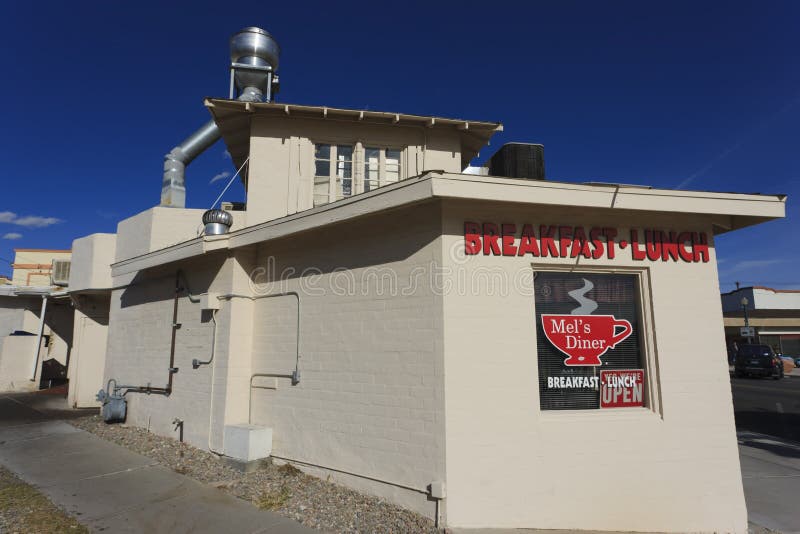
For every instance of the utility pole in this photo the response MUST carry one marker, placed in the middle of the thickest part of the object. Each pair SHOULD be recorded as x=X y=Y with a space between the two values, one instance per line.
x=745 y=302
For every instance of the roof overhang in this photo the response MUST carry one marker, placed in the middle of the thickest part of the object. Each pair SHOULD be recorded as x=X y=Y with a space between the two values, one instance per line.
x=32 y=291
x=234 y=117
x=728 y=211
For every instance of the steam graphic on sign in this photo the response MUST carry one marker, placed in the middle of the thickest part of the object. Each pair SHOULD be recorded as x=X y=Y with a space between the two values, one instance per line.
x=581 y=336
x=587 y=305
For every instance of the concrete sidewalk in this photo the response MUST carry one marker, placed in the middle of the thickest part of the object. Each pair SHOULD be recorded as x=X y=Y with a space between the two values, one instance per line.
x=771 y=478
x=109 y=488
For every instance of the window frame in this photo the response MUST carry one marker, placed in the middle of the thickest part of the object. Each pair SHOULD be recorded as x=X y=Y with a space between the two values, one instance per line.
x=382 y=169
x=358 y=165
x=648 y=348
x=333 y=166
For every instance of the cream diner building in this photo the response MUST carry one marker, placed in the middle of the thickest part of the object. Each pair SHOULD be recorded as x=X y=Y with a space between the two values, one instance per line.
x=486 y=350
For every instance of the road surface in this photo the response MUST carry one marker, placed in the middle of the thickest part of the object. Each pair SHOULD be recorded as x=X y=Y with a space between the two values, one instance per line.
x=768 y=406
x=768 y=428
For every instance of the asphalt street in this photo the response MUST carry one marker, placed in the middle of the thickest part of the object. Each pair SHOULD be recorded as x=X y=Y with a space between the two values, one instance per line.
x=768 y=406
x=767 y=415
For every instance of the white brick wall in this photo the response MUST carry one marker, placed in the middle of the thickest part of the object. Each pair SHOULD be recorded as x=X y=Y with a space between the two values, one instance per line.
x=370 y=400
x=12 y=314
x=139 y=345
x=511 y=465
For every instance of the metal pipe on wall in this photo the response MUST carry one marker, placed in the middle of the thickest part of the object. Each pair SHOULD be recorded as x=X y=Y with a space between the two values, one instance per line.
x=38 y=348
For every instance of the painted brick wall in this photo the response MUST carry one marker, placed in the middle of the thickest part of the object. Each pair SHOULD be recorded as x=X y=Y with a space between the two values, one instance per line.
x=12 y=315
x=139 y=345
x=370 y=400
x=674 y=468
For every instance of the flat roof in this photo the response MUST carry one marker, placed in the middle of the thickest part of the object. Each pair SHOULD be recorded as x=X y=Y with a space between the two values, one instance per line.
x=765 y=288
x=729 y=210
x=233 y=118
x=42 y=250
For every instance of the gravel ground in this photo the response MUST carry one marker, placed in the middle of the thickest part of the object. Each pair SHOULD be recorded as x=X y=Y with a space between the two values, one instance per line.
x=24 y=510
x=285 y=489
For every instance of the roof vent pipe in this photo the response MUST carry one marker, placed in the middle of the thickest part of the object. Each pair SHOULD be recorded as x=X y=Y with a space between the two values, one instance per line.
x=254 y=61
x=217 y=222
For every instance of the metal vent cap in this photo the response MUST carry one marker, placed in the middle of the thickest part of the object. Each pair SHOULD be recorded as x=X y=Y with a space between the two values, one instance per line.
x=254 y=46
x=217 y=222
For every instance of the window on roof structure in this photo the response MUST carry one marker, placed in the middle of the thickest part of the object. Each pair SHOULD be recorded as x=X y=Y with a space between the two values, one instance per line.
x=322 y=174
x=381 y=167
x=344 y=171
x=333 y=172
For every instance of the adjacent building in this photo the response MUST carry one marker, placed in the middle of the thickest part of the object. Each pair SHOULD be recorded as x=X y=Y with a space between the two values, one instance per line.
x=774 y=315
x=35 y=321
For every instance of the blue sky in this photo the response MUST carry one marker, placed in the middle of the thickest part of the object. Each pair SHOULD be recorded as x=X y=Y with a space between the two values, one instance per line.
x=701 y=95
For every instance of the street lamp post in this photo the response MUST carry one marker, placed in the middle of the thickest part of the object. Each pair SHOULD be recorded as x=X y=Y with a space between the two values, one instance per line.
x=745 y=302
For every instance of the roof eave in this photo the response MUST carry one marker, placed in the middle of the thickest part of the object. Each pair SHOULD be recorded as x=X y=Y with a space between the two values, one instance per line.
x=748 y=209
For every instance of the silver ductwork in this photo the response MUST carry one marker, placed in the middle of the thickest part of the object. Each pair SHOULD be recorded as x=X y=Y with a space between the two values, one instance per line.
x=254 y=61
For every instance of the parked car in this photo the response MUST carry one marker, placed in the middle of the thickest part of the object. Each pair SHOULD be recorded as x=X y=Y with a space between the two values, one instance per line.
x=758 y=360
x=796 y=361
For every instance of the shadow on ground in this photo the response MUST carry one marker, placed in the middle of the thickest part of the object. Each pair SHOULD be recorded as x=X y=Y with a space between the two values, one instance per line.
x=46 y=405
x=784 y=425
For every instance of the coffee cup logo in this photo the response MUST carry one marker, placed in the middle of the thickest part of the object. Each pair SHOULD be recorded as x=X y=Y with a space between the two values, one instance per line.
x=584 y=338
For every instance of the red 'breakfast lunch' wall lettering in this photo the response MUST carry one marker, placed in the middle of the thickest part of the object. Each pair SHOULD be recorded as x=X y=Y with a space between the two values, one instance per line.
x=506 y=239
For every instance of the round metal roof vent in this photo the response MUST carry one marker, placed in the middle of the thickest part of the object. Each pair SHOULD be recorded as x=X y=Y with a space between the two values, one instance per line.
x=217 y=222
x=256 y=47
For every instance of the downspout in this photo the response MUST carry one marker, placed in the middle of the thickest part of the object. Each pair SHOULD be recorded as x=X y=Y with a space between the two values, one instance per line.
x=39 y=339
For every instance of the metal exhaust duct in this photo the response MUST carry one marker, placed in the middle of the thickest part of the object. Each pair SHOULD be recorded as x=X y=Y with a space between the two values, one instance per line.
x=254 y=62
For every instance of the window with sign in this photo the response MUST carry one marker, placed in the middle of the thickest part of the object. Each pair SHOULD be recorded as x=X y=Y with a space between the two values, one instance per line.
x=589 y=340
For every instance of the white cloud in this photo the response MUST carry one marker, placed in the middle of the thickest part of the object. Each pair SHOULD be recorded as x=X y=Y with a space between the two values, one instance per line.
x=745 y=265
x=226 y=154
x=220 y=176
x=12 y=235
x=30 y=221
x=34 y=221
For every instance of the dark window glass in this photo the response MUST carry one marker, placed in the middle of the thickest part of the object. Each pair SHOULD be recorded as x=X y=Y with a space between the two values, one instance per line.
x=755 y=350
x=614 y=295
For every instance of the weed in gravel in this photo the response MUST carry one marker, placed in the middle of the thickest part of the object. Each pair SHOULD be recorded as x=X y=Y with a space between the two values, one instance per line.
x=273 y=499
x=288 y=470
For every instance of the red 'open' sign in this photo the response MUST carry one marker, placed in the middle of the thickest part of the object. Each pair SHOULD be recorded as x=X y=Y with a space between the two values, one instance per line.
x=621 y=388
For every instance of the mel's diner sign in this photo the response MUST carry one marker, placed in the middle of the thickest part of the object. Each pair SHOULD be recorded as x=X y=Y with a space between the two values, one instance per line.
x=491 y=239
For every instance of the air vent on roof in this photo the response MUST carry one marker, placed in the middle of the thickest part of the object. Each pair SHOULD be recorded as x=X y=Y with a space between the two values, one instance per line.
x=59 y=275
x=518 y=160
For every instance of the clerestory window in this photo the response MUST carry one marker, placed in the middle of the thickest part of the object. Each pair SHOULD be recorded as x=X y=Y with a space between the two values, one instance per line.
x=333 y=173
x=381 y=167
x=341 y=171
